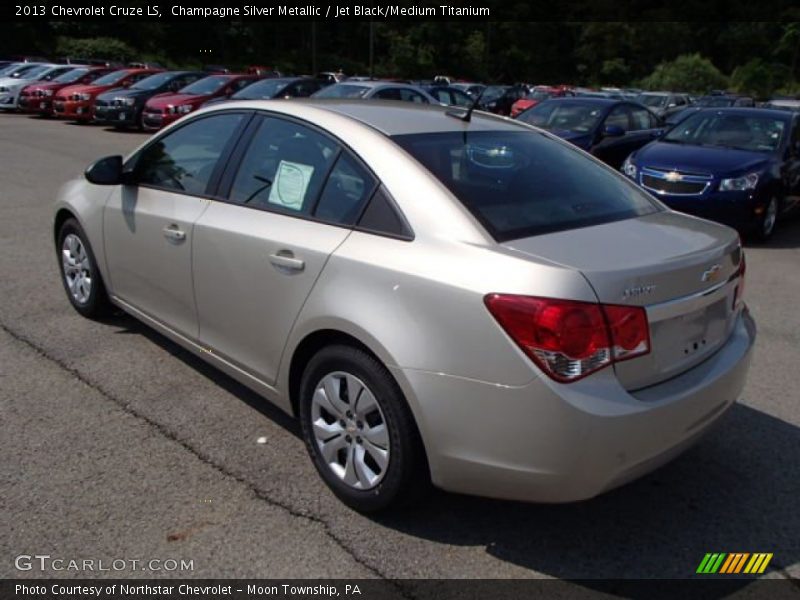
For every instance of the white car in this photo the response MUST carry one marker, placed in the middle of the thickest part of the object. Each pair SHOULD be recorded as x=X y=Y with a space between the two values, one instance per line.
x=11 y=85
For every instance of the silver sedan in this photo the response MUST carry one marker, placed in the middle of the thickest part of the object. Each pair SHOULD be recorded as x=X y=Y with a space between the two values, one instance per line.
x=438 y=297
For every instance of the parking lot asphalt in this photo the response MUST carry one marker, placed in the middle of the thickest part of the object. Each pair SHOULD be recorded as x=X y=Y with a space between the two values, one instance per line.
x=116 y=443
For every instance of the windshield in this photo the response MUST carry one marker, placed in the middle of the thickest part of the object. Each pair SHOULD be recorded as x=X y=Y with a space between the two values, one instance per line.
x=153 y=82
x=564 y=116
x=715 y=101
x=111 y=78
x=652 y=101
x=539 y=95
x=342 y=90
x=742 y=132
x=36 y=72
x=5 y=71
x=19 y=71
x=266 y=88
x=522 y=183
x=205 y=86
x=71 y=76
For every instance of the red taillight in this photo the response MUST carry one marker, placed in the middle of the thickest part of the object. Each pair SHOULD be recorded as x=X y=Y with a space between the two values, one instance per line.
x=569 y=339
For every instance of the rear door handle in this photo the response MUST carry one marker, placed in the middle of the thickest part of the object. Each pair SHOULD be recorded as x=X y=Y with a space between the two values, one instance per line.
x=173 y=233
x=286 y=261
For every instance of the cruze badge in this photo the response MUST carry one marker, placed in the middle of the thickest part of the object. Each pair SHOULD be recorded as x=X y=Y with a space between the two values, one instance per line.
x=673 y=176
x=712 y=274
x=641 y=290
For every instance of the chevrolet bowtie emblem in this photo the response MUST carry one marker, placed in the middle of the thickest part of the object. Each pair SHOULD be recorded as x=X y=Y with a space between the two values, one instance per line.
x=674 y=176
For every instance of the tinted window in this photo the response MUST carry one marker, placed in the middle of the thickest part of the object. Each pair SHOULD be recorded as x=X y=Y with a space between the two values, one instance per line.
x=184 y=160
x=618 y=117
x=522 y=183
x=284 y=167
x=111 y=78
x=382 y=217
x=412 y=96
x=641 y=118
x=345 y=192
x=388 y=94
x=207 y=85
x=71 y=76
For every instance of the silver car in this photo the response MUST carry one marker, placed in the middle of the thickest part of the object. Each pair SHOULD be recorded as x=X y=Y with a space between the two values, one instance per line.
x=437 y=298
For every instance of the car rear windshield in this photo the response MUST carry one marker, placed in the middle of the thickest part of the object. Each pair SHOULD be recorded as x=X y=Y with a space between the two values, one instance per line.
x=519 y=184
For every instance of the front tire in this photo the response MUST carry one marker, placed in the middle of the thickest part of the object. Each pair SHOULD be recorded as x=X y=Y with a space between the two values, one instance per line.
x=79 y=274
x=359 y=430
x=765 y=225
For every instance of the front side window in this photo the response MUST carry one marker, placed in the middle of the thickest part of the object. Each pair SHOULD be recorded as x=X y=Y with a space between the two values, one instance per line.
x=283 y=168
x=522 y=183
x=184 y=160
x=618 y=117
x=642 y=119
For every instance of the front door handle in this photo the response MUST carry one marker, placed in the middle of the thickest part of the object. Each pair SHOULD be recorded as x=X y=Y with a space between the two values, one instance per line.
x=286 y=261
x=173 y=233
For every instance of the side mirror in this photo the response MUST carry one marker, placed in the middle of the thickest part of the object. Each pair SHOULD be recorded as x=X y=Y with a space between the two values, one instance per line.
x=106 y=171
x=613 y=131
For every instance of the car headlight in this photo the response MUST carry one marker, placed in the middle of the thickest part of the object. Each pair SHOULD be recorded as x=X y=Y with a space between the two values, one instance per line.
x=48 y=92
x=126 y=101
x=184 y=108
x=84 y=97
x=739 y=184
x=629 y=168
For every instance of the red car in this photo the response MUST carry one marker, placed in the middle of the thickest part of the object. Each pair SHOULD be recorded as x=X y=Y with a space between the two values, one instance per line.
x=163 y=109
x=76 y=102
x=539 y=93
x=37 y=98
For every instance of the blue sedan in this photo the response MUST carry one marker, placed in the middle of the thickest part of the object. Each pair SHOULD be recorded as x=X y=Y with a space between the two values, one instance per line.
x=607 y=128
x=738 y=166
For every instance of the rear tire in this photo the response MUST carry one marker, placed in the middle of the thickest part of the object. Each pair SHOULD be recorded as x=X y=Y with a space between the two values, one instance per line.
x=359 y=431
x=79 y=273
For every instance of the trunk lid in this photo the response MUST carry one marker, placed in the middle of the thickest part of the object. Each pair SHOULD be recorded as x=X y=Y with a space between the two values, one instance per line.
x=680 y=268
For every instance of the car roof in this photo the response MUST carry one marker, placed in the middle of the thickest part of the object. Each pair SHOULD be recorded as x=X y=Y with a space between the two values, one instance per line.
x=398 y=118
x=598 y=100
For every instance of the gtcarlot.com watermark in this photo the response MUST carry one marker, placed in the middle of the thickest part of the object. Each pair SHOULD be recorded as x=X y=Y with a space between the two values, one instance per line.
x=45 y=562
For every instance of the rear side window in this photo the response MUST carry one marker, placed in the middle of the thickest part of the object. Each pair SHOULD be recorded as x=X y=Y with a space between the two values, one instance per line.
x=347 y=189
x=284 y=167
x=382 y=217
x=520 y=183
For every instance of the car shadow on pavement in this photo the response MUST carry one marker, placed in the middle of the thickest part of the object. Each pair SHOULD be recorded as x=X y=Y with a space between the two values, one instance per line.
x=736 y=491
x=787 y=235
x=126 y=325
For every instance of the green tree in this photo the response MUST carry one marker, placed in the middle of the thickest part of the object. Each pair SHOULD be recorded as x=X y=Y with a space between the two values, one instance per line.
x=687 y=73
x=758 y=78
x=99 y=47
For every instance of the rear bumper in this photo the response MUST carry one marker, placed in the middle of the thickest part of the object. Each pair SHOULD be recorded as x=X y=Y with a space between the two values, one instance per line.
x=550 y=442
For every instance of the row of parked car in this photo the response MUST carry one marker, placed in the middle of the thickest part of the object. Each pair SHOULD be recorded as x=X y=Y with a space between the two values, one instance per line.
x=718 y=156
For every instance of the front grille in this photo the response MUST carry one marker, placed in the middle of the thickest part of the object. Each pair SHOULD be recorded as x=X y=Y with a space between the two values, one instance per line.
x=675 y=183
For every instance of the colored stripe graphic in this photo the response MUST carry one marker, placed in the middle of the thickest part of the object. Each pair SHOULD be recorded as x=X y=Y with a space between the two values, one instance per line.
x=733 y=563
x=711 y=563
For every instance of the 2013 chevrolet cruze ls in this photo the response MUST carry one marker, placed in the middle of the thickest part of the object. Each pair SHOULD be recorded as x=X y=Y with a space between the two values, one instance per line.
x=471 y=302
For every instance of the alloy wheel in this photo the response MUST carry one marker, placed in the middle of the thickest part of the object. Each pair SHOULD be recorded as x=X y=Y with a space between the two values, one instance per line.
x=350 y=430
x=77 y=268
